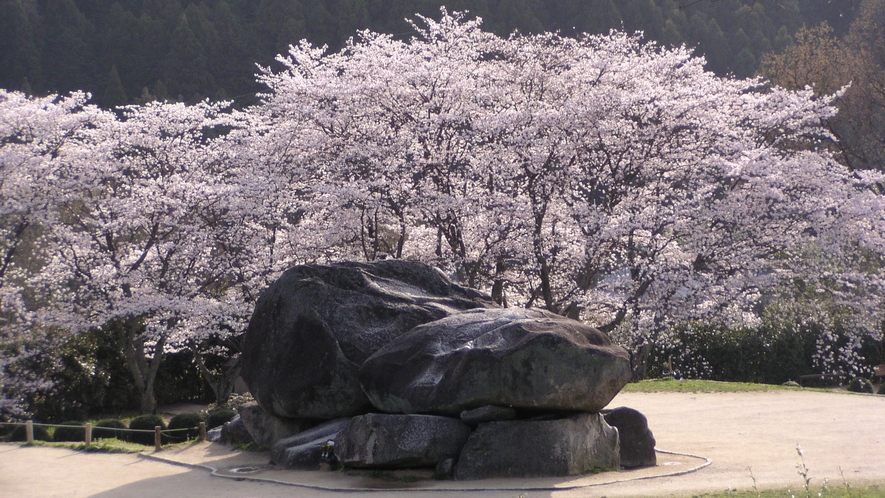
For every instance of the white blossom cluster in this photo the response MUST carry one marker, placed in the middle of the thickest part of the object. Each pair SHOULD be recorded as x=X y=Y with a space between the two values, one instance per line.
x=599 y=176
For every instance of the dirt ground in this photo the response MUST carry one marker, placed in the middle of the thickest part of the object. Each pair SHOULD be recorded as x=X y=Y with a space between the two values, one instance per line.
x=723 y=440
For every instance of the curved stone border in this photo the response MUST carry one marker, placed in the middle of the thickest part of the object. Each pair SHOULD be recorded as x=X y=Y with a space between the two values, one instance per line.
x=502 y=484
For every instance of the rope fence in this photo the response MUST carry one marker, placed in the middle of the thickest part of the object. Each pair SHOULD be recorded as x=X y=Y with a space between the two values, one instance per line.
x=158 y=431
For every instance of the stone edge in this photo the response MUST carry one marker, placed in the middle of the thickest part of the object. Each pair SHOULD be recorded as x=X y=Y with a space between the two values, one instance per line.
x=449 y=489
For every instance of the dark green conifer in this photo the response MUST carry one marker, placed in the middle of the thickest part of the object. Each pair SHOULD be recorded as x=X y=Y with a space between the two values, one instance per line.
x=19 y=57
x=114 y=95
x=186 y=68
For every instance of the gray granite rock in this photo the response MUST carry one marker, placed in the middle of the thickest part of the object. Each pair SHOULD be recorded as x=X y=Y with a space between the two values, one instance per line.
x=534 y=448
x=509 y=357
x=313 y=328
x=637 y=440
x=399 y=441
x=235 y=432
x=265 y=428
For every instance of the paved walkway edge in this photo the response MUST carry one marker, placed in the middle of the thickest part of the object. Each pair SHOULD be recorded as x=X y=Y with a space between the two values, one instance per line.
x=217 y=472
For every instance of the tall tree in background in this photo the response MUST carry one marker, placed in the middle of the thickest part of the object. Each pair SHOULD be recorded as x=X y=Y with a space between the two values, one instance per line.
x=67 y=48
x=864 y=123
x=186 y=67
x=114 y=94
x=857 y=62
x=19 y=56
x=284 y=23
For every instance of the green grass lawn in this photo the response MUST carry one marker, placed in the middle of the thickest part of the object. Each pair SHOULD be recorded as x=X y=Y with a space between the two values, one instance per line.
x=670 y=385
x=831 y=491
x=103 y=445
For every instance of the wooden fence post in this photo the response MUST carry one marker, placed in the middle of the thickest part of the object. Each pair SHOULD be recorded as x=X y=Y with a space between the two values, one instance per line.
x=158 y=443
x=202 y=431
x=87 y=433
x=29 y=432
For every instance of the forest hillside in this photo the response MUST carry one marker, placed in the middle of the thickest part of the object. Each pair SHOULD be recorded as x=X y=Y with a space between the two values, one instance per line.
x=136 y=51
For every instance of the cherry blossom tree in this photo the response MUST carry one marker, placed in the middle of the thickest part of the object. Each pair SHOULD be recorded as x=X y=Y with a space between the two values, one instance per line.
x=136 y=231
x=601 y=177
x=36 y=135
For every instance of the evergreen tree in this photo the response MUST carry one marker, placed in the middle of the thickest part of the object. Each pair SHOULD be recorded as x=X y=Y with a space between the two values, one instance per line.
x=66 y=49
x=283 y=24
x=671 y=35
x=233 y=62
x=604 y=16
x=135 y=44
x=526 y=16
x=160 y=91
x=186 y=69
x=26 y=87
x=783 y=40
x=19 y=58
x=645 y=16
x=711 y=43
x=167 y=11
x=114 y=95
x=350 y=16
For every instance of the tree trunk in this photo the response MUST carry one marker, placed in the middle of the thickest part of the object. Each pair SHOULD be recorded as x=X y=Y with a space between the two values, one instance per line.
x=144 y=371
x=639 y=361
x=221 y=386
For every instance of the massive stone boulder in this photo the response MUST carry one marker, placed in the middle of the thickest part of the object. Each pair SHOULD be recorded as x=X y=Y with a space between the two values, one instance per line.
x=637 y=440
x=392 y=441
x=265 y=429
x=568 y=446
x=314 y=327
x=518 y=358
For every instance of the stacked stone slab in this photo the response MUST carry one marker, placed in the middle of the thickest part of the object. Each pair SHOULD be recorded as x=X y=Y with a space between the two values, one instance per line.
x=513 y=357
x=400 y=441
x=420 y=372
x=573 y=445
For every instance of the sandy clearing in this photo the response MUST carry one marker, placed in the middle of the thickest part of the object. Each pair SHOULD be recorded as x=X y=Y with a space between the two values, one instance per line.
x=737 y=431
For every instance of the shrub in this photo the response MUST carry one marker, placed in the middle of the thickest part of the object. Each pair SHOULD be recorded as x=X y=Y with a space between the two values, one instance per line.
x=189 y=421
x=219 y=417
x=70 y=433
x=40 y=434
x=87 y=374
x=881 y=388
x=108 y=429
x=860 y=385
x=145 y=423
x=767 y=354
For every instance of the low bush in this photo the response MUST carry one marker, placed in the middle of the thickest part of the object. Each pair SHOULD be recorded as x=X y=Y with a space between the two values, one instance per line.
x=19 y=435
x=73 y=434
x=189 y=421
x=109 y=429
x=860 y=385
x=219 y=417
x=145 y=423
x=769 y=355
x=881 y=389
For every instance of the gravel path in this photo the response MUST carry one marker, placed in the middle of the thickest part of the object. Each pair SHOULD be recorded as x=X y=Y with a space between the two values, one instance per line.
x=745 y=435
